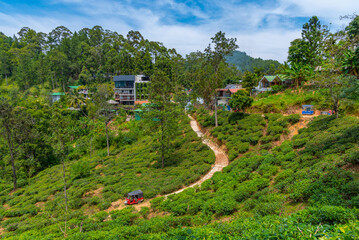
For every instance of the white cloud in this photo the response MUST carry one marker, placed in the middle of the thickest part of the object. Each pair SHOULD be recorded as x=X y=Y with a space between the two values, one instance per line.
x=243 y=21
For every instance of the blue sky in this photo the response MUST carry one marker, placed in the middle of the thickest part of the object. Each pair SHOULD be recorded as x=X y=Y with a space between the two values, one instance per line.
x=263 y=28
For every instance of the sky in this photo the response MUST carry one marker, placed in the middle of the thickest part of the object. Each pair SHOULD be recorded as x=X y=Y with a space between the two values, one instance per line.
x=263 y=28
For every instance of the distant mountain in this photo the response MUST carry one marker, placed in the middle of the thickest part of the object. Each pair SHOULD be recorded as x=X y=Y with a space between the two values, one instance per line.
x=246 y=63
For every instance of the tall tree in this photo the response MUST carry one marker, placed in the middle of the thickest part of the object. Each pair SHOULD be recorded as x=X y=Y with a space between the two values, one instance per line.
x=298 y=72
x=163 y=114
x=215 y=64
x=15 y=128
x=60 y=140
x=250 y=80
x=104 y=110
x=313 y=34
x=336 y=86
x=309 y=49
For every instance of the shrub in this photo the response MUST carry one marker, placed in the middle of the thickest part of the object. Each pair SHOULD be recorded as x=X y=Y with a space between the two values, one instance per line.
x=243 y=147
x=101 y=216
x=80 y=169
x=299 y=142
x=293 y=118
x=266 y=139
x=155 y=203
x=277 y=88
x=326 y=215
x=76 y=203
x=266 y=146
x=274 y=130
x=144 y=212
x=104 y=205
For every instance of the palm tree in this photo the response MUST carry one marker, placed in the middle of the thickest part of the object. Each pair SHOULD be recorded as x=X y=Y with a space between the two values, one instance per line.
x=75 y=100
x=298 y=72
x=351 y=62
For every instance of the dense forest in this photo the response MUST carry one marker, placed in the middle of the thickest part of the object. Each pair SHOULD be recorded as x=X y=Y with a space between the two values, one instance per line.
x=62 y=58
x=247 y=63
x=67 y=166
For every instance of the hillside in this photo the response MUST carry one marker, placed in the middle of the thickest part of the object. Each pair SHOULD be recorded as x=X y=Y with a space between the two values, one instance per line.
x=74 y=141
x=94 y=182
x=247 y=63
x=308 y=185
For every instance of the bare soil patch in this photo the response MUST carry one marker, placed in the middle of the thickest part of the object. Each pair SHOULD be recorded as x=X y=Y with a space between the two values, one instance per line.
x=354 y=168
x=92 y=193
x=98 y=166
x=40 y=205
x=117 y=205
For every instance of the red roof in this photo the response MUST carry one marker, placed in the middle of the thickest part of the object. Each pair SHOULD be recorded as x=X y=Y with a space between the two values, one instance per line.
x=140 y=102
x=234 y=90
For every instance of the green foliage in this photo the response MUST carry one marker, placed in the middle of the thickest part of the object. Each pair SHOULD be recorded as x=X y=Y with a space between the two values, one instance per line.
x=269 y=103
x=240 y=101
x=144 y=212
x=100 y=216
x=246 y=63
x=80 y=169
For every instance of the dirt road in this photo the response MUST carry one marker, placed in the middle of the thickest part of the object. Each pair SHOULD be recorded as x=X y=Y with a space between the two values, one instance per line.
x=221 y=162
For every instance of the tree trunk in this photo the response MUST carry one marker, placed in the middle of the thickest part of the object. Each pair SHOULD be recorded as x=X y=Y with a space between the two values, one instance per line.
x=335 y=103
x=65 y=194
x=163 y=145
x=12 y=154
x=13 y=168
x=108 y=144
x=215 y=109
x=91 y=147
x=336 y=108
x=64 y=178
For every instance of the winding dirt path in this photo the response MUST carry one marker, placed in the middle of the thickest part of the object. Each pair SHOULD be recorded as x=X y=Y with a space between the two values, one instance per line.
x=221 y=162
x=221 y=157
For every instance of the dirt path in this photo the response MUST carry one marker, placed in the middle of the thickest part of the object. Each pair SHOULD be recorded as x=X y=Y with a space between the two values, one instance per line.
x=220 y=163
x=221 y=157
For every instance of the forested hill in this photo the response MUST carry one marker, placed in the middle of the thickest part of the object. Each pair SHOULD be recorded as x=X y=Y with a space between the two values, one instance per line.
x=247 y=63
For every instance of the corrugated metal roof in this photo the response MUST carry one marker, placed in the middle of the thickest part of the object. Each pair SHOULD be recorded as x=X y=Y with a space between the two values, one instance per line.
x=270 y=78
x=233 y=86
x=57 y=94
x=124 y=78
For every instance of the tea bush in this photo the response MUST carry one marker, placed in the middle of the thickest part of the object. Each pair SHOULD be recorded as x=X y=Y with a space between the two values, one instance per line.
x=93 y=182
x=263 y=191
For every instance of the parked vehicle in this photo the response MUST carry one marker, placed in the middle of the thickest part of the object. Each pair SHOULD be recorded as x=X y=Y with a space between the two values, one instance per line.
x=134 y=197
x=307 y=110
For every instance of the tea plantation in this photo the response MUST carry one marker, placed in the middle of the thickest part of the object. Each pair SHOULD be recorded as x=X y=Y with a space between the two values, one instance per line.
x=94 y=182
x=274 y=188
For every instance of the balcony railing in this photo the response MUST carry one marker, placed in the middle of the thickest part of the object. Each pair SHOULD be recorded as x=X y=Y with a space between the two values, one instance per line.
x=124 y=92
x=125 y=86
x=125 y=98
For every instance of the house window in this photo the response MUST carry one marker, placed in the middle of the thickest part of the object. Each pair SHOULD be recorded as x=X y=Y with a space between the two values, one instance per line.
x=124 y=84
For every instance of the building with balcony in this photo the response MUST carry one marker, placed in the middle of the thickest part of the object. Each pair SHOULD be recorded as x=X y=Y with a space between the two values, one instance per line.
x=131 y=88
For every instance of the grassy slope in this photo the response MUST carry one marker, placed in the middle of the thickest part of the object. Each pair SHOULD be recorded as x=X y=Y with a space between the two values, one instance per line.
x=262 y=192
x=93 y=183
x=292 y=100
x=316 y=170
